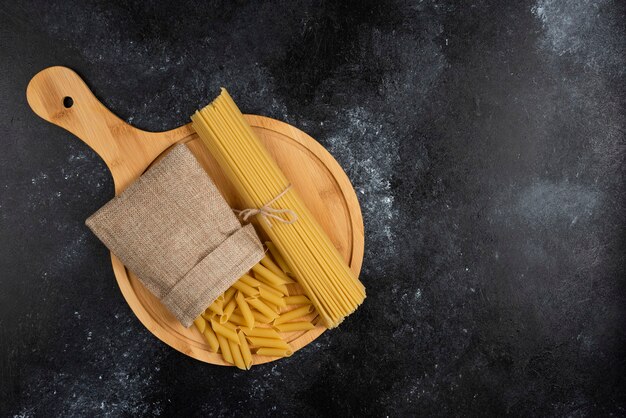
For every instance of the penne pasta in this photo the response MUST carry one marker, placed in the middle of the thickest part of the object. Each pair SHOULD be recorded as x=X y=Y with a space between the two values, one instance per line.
x=245 y=289
x=272 y=306
x=225 y=331
x=271 y=266
x=262 y=307
x=261 y=332
x=236 y=353
x=274 y=352
x=271 y=290
x=278 y=257
x=260 y=318
x=229 y=294
x=268 y=342
x=269 y=275
x=211 y=339
x=230 y=326
x=280 y=288
x=208 y=315
x=246 y=317
x=228 y=311
x=220 y=303
x=295 y=314
x=200 y=323
x=294 y=326
x=297 y=300
x=216 y=308
x=272 y=298
x=245 y=310
x=236 y=319
x=250 y=281
x=225 y=347
x=245 y=350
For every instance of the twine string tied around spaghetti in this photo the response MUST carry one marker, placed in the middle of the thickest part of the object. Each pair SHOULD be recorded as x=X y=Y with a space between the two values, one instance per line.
x=267 y=211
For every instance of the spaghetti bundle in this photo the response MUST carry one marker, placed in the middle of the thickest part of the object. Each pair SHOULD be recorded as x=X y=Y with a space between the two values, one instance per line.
x=325 y=277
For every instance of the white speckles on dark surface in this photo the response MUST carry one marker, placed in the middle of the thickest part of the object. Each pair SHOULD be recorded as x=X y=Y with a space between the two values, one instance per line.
x=485 y=141
x=369 y=157
x=580 y=29
x=547 y=203
x=79 y=392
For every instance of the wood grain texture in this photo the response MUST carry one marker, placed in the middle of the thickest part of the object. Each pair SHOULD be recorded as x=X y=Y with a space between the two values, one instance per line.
x=129 y=151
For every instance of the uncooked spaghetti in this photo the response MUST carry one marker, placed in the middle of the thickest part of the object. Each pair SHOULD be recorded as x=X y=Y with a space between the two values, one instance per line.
x=332 y=287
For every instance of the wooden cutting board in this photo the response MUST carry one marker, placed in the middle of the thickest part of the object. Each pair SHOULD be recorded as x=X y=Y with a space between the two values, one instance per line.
x=59 y=95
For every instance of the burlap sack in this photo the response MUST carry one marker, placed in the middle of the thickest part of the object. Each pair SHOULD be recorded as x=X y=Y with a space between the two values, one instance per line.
x=175 y=231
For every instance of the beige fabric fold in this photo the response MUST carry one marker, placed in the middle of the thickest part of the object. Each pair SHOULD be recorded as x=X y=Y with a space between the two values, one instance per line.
x=175 y=231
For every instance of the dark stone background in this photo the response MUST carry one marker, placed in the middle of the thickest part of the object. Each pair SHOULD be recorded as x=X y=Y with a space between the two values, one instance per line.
x=486 y=141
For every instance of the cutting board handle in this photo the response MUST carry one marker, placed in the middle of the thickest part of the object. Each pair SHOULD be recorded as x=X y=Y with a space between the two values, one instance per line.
x=60 y=96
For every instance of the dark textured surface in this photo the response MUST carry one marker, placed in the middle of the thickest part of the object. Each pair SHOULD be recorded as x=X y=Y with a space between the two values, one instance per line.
x=485 y=140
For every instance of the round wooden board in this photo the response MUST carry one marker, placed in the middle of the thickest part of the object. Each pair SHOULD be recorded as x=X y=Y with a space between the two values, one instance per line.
x=325 y=189
x=128 y=151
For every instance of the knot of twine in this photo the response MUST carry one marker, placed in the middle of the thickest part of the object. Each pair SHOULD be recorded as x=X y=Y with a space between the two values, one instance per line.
x=267 y=211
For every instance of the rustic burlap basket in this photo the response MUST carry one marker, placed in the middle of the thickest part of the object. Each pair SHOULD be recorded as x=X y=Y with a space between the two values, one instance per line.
x=175 y=231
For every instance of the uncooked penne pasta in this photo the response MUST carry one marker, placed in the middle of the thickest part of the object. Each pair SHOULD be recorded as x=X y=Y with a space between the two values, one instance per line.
x=297 y=300
x=270 y=265
x=228 y=311
x=272 y=306
x=250 y=281
x=231 y=326
x=229 y=294
x=272 y=298
x=220 y=303
x=247 y=315
x=245 y=310
x=281 y=288
x=261 y=332
x=236 y=353
x=225 y=347
x=246 y=289
x=216 y=307
x=271 y=290
x=262 y=307
x=245 y=350
x=269 y=275
x=208 y=315
x=295 y=314
x=225 y=330
x=260 y=318
x=200 y=323
x=274 y=352
x=237 y=319
x=278 y=257
x=211 y=338
x=268 y=342
x=294 y=326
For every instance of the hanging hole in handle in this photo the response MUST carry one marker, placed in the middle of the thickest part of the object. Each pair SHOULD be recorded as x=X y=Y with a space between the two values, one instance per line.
x=68 y=102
